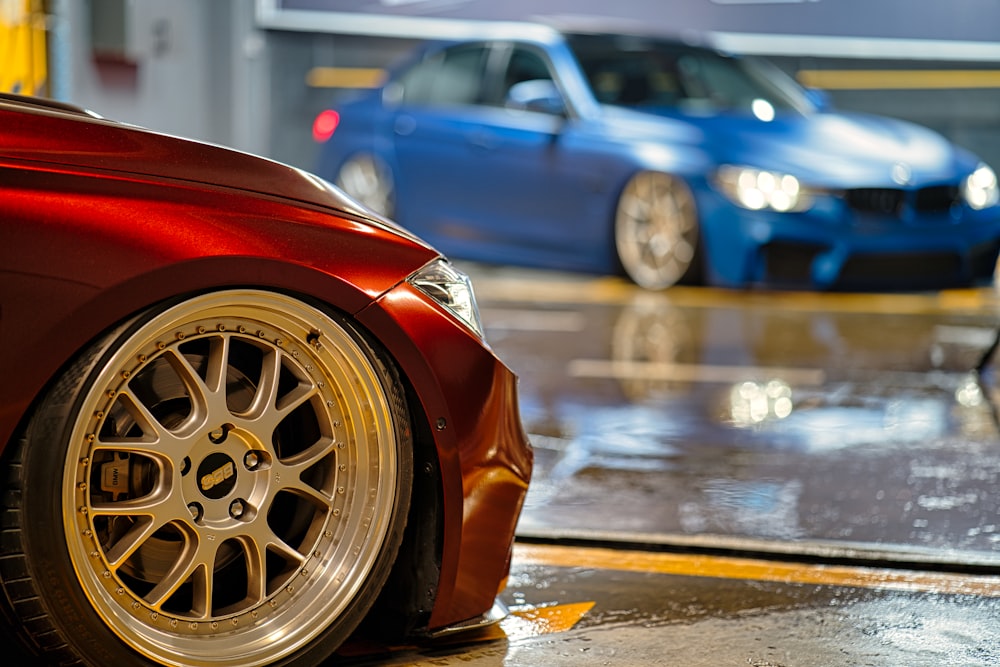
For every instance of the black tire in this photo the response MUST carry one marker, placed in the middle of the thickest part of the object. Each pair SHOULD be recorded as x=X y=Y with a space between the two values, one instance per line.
x=221 y=482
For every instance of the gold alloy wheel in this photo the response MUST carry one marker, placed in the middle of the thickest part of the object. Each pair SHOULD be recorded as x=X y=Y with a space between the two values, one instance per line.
x=236 y=471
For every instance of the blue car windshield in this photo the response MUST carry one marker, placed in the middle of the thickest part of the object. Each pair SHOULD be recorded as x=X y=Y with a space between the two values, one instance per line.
x=657 y=74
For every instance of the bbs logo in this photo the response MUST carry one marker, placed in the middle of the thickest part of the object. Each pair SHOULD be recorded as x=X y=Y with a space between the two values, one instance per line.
x=217 y=476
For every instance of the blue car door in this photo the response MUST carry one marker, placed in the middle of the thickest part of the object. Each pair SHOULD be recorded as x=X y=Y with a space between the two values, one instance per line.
x=430 y=129
x=479 y=178
x=533 y=171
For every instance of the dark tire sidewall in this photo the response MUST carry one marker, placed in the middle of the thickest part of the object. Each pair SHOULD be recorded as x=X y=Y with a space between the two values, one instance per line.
x=43 y=454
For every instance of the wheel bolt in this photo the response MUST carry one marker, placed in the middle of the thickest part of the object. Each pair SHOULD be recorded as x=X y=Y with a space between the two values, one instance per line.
x=237 y=508
x=195 y=510
x=251 y=460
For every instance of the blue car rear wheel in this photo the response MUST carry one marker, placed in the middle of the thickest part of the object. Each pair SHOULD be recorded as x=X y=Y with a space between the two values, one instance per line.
x=367 y=178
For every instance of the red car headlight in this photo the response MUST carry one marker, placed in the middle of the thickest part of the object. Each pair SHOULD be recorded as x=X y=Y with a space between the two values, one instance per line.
x=451 y=289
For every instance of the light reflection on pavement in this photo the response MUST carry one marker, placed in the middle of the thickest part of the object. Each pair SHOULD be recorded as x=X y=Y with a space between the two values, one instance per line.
x=835 y=424
x=744 y=478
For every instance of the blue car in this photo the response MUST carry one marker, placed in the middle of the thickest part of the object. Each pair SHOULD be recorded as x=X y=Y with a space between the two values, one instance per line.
x=665 y=160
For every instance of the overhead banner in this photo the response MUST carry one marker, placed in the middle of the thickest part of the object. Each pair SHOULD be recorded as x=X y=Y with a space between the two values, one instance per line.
x=925 y=20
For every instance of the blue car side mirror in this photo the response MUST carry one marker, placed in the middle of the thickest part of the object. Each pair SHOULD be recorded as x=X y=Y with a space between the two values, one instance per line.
x=819 y=99
x=536 y=95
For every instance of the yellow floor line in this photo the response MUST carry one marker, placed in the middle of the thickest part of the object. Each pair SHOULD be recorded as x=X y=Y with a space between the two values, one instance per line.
x=638 y=370
x=537 y=621
x=344 y=77
x=616 y=291
x=757 y=570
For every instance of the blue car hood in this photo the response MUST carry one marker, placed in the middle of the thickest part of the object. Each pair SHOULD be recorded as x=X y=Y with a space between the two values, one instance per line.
x=831 y=150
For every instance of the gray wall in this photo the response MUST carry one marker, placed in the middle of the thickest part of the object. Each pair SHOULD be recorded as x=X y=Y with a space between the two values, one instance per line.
x=206 y=69
x=195 y=68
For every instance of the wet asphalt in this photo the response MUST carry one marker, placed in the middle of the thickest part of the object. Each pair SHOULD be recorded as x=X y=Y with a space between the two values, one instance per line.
x=745 y=478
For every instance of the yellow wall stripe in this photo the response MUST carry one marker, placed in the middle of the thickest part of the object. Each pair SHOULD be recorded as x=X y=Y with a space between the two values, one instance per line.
x=344 y=77
x=832 y=79
x=887 y=79
x=757 y=570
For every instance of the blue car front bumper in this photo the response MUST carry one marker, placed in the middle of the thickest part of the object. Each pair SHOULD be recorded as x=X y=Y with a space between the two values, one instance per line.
x=832 y=246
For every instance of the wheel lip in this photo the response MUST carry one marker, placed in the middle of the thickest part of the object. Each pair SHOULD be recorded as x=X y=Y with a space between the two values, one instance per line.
x=629 y=254
x=154 y=637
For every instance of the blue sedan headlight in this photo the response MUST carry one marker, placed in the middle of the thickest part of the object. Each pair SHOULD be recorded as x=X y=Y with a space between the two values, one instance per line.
x=980 y=188
x=758 y=189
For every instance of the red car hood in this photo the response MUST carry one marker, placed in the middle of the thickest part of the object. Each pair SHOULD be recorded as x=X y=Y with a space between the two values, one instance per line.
x=66 y=135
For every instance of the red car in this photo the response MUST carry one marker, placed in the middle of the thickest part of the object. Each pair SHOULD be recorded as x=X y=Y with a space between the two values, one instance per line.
x=239 y=414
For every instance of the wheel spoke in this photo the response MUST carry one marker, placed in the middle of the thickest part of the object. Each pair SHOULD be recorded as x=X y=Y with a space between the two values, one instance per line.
x=317 y=497
x=256 y=555
x=127 y=545
x=218 y=362
x=191 y=563
x=256 y=547
x=266 y=395
x=146 y=505
x=198 y=390
x=295 y=466
x=293 y=399
x=310 y=456
x=150 y=512
x=152 y=431
x=268 y=409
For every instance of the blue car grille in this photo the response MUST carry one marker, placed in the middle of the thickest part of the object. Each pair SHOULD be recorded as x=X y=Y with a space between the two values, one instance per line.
x=938 y=198
x=907 y=271
x=893 y=201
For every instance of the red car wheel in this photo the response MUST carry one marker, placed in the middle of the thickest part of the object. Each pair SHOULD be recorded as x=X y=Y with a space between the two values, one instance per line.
x=232 y=474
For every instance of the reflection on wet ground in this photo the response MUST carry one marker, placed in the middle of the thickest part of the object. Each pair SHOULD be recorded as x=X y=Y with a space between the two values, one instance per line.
x=743 y=478
x=595 y=607
x=830 y=424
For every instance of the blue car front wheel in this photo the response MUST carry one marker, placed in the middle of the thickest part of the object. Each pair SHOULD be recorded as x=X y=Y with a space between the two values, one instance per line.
x=656 y=231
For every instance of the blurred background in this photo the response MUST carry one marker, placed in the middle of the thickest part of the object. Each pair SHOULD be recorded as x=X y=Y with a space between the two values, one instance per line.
x=858 y=429
x=254 y=74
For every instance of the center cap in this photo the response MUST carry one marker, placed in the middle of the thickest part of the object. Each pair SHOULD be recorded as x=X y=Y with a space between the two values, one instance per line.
x=216 y=476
